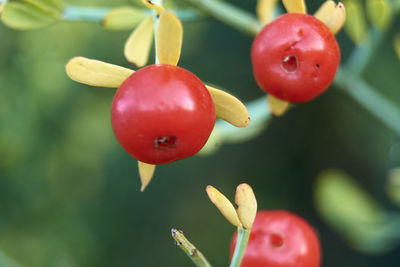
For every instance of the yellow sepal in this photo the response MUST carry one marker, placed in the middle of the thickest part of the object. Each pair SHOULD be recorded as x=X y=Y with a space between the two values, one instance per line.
x=276 y=106
x=137 y=47
x=229 y=108
x=332 y=15
x=265 y=10
x=96 y=73
x=224 y=205
x=122 y=18
x=146 y=172
x=295 y=6
x=169 y=38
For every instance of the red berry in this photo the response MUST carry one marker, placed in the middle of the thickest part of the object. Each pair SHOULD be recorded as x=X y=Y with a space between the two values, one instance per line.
x=162 y=113
x=295 y=57
x=280 y=238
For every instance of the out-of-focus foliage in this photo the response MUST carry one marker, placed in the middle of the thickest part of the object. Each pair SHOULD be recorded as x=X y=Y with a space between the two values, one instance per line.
x=355 y=214
x=69 y=194
x=393 y=185
x=31 y=14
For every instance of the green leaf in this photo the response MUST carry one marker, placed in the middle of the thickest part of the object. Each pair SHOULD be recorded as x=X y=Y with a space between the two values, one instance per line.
x=379 y=13
x=356 y=24
x=23 y=16
x=342 y=203
x=52 y=7
x=122 y=18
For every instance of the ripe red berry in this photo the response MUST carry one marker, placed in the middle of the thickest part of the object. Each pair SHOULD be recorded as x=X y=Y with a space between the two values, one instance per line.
x=162 y=113
x=295 y=57
x=280 y=238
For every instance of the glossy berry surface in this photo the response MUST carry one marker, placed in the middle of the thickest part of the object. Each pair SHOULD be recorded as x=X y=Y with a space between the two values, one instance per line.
x=162 y=113
x=280 y=238
x=295 y=57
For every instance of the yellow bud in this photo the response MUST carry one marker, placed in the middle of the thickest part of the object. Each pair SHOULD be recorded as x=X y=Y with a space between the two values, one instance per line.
x=247 y=205
x=224 y=205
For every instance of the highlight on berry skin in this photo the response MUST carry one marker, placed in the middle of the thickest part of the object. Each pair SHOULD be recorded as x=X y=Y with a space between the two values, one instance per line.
x=280 y=238
x=160 y=113
x=295 y=56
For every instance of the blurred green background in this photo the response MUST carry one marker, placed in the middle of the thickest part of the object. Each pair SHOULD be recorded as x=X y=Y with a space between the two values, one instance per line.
x=69 y=194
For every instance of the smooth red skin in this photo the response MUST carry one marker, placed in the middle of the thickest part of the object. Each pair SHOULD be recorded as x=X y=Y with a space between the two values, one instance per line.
x=305 y=37
x=162 y=100
x=301 y=247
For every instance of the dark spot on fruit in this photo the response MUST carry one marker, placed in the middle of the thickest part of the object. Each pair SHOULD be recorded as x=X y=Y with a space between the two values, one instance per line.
x=276 y=240
x=289 y=64
x=317 y=66
x=165 y=142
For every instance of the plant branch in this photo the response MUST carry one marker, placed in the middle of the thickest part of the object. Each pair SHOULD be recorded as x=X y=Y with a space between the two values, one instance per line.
x=241 y=244
x=194 y=254
x=96 y=14
x=230 y=15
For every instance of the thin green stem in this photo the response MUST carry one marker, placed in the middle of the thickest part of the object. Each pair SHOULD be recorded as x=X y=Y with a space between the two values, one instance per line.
x=230 y=15
x=96 y=14
x=241 y=244
x=194 y=254
x=156 y=19
x=91 y=14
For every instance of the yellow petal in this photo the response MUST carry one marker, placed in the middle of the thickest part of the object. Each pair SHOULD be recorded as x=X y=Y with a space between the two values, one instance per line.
x=121 y=18
x=229 y=108
x=157 y=8
x=396 y=44
x=265 y=10
x=247 y=205
x=96 y=73
x=169 y=38
x=379 y=13
x=332 y=15
x=146 y=172
x=223 y=204
x=138 y=45
x=356 y=24
x=295 y=6
x=276 y=106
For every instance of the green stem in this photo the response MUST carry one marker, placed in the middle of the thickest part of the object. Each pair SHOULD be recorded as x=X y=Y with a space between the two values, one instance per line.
x=241 y=244
x=91 y=14
x=96 y=14
x=230 y=15
x=156 y=19
x=194 y=254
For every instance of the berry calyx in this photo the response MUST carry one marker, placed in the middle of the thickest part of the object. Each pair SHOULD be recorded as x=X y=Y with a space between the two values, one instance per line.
x=162 y=113
x=295 y=57
x=280 y=238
